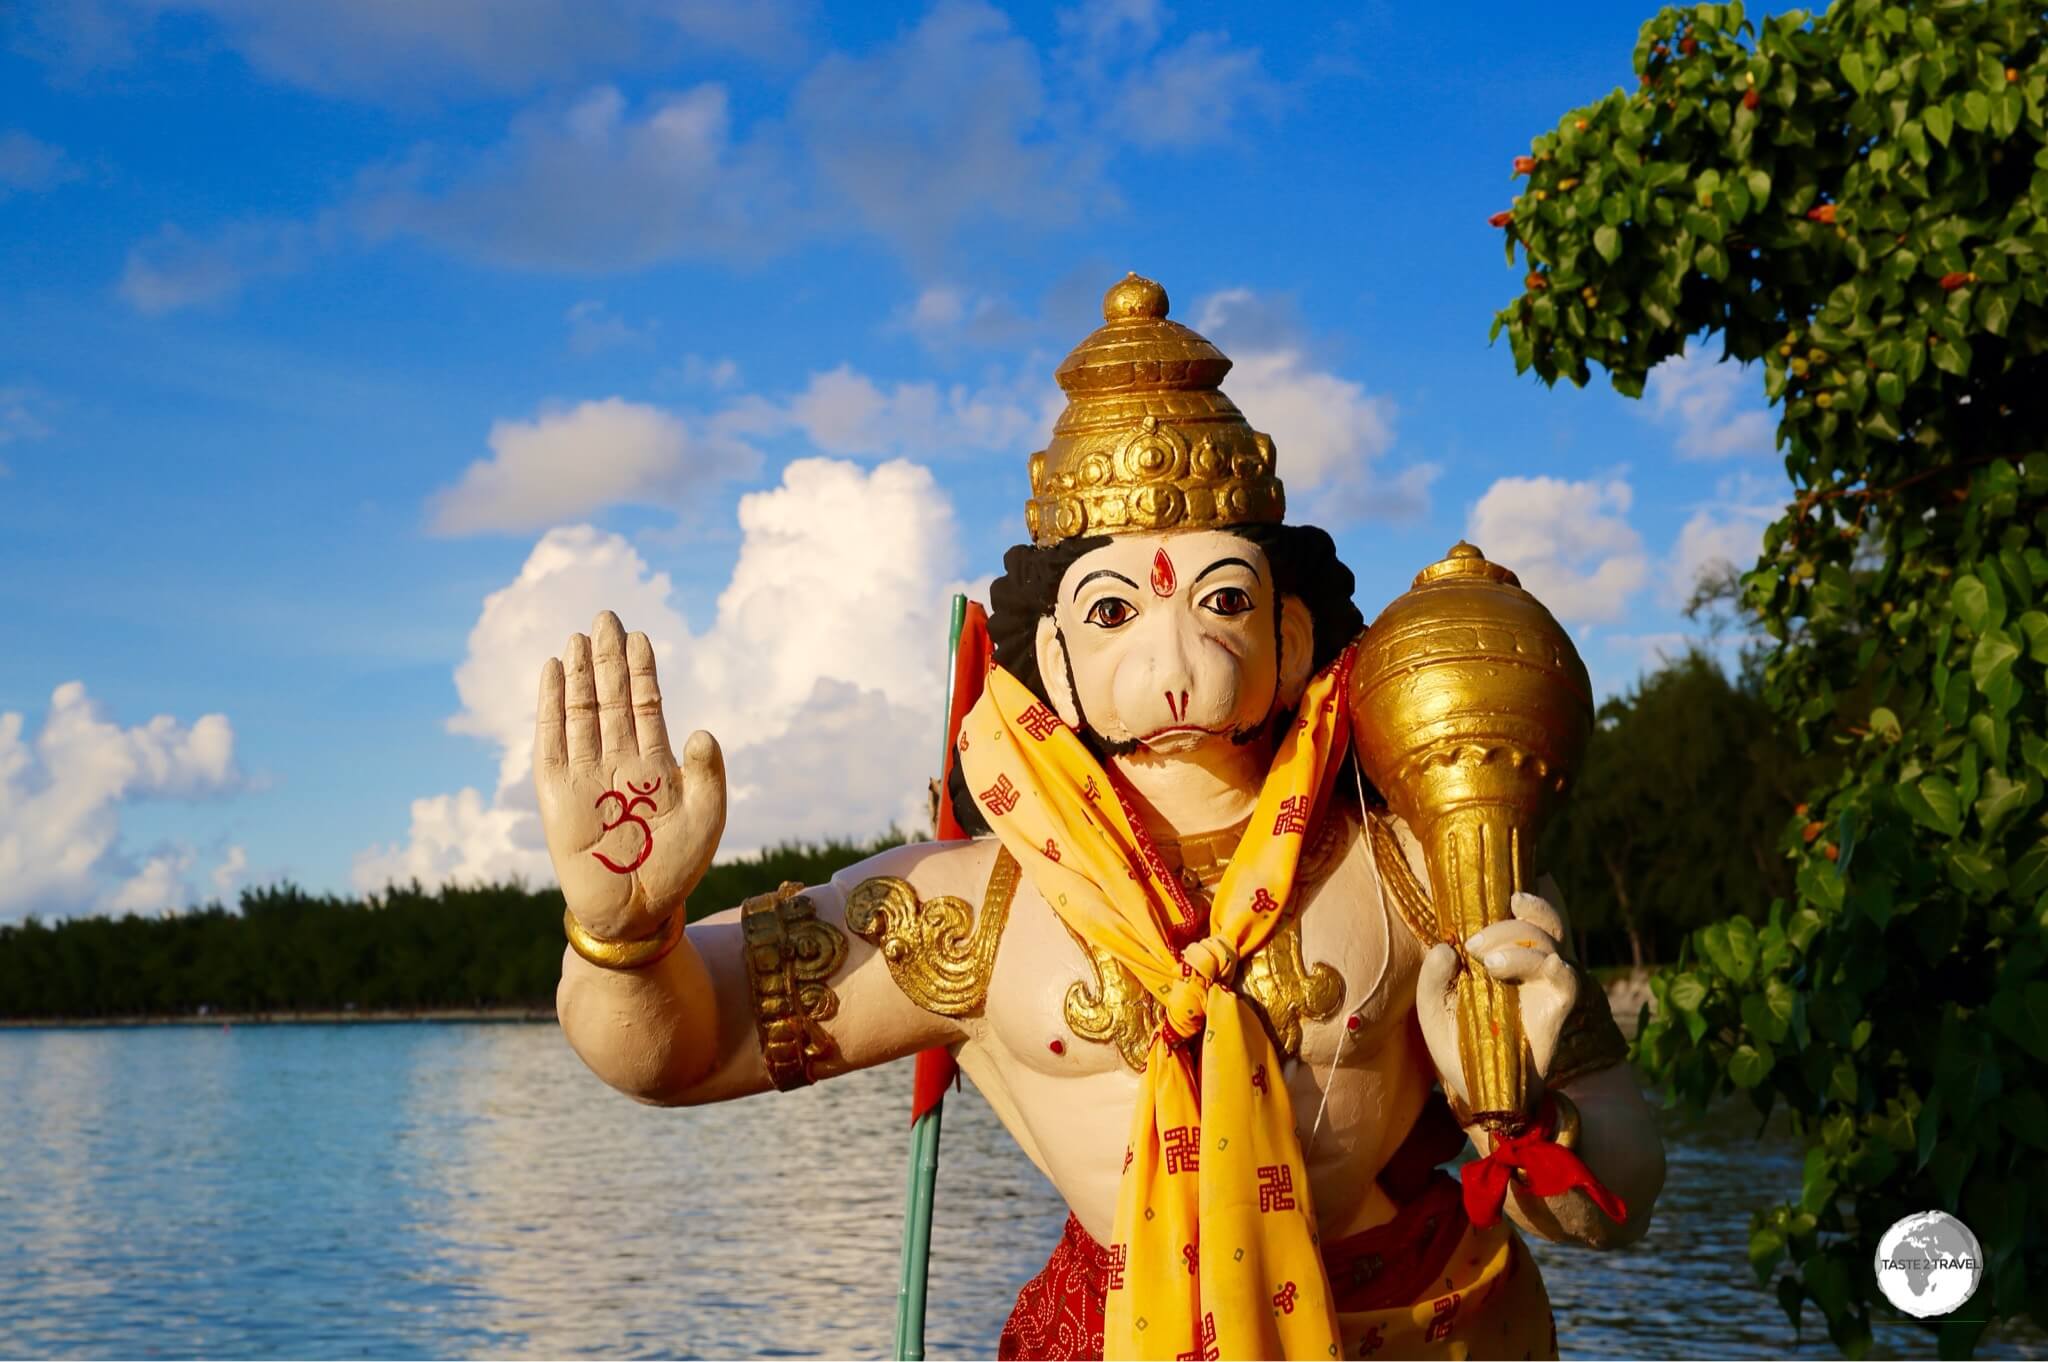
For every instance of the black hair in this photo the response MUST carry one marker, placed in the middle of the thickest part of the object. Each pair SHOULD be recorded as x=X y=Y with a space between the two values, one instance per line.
x=1304 y=563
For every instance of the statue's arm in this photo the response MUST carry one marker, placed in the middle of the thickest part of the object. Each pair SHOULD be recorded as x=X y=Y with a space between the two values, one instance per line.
x=689 y=1029
x=1621 y=1145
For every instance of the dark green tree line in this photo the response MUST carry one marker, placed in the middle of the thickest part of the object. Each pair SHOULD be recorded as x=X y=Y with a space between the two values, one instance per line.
x=287 y=950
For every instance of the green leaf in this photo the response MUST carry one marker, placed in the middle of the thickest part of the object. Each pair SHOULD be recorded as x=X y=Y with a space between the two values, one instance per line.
x=1974 y=112
x=1687 y=993
x=1607 y=241
x=1885 y=724
x=1992 y=658
x=1750 y=1064
x=2029 y=872
x=1933 y=802
x=1852 y=67
x=1976 y=871
x=1971 y=602
x=2002 y=798
x=1759 y=182
x=1940 y=122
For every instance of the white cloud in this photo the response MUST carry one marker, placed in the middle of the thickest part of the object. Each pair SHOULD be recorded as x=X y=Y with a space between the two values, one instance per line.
x=1569 y=542
x=21 y=407
x=949 y=124
x=175 y=270
x=29 y=165
x=596 y=185
x=1193 y=93
x=843 y=411
x=1713 y=404
x=568 y=463
x=61 y=798
x=1328 y=431
x=819 y=672
x=227 y=877
x=1726 y=532
x=594 y=327
x=399 y=48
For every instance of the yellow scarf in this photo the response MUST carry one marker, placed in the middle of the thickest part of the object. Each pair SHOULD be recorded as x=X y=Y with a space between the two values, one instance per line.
x=1214 y=1252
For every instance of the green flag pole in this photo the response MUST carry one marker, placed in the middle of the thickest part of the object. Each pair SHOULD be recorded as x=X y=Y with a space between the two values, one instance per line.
x=924 y=1134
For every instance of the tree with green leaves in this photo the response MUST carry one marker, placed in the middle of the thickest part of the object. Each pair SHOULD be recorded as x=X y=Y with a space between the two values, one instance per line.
x=1857 y=202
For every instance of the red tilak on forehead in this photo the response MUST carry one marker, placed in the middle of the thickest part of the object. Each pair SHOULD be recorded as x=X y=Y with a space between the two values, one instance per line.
x=1163 y=580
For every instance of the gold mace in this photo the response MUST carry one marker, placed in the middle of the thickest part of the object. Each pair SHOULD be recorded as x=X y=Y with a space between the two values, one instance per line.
x=1470 y=709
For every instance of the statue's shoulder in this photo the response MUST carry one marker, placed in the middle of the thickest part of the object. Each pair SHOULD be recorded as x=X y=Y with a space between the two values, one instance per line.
x=936 y=912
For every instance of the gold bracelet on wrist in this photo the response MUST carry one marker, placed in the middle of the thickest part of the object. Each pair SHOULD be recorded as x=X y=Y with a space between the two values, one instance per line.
x=636 y=954
x=790 y=955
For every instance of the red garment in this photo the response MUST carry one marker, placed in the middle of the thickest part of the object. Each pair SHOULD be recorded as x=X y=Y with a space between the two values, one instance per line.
x=1059 y=1312
x=1548 y=1169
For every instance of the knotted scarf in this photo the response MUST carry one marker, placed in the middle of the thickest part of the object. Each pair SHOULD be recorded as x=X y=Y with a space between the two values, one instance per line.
x=1214 y=1248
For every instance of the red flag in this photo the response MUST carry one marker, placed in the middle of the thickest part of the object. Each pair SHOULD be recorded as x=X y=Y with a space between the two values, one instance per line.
x=936 y=1070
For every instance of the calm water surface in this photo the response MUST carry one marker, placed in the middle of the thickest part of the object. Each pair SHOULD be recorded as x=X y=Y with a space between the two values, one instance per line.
x=452 y=1190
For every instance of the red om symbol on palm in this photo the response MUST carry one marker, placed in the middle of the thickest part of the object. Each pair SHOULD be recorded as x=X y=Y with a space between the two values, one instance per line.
x=640 y=795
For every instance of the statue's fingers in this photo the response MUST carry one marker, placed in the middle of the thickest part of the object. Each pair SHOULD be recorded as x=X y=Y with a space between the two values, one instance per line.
x=648 y=724
x=579 y=703
x=614 y=699
x=1438 y=979
x=550 y=738
x=1517 y=964
x=1538 y=912
x=703 y=798
x=1509 y=935
x=1544 y=1022
x=1436 y=1001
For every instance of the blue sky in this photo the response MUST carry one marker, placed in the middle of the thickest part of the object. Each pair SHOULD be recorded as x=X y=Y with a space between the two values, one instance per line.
x=352 y=354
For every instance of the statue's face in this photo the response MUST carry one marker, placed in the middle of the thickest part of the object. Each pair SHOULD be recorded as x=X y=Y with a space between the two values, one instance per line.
x=1172 y=641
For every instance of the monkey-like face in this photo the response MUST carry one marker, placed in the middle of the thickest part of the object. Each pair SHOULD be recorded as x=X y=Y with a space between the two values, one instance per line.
x=1173 y=641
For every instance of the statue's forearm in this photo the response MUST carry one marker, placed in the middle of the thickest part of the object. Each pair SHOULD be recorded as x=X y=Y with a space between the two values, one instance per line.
x=1620 y=1143
x=652 y=1033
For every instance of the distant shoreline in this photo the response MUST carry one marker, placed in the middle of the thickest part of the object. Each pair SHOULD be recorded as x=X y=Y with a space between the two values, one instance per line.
x=313 y=1017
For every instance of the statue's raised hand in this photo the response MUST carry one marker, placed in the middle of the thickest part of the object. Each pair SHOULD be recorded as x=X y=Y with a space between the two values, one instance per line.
x=629 y=830
x=1527 y=950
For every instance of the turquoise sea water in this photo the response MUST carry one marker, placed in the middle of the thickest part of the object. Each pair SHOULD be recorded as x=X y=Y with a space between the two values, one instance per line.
x=470 y=1190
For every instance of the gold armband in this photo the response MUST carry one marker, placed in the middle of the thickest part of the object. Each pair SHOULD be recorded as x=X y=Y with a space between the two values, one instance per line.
x=1589 y=1040
x=790 y=955
x=607 y=954
x=938 y=960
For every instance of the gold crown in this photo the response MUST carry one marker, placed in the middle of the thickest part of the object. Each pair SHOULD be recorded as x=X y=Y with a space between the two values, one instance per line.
x=1148 y=441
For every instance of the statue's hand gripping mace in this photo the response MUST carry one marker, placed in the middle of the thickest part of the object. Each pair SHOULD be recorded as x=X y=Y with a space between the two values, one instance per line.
x=1470 y=709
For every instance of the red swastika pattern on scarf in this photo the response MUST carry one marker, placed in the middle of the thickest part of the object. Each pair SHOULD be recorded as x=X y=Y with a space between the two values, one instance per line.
x=1276 y=1187
x=1293 y=816
x=1040 y=722
x=1283 y=1299
x=1000 y=797
x=1052 y=850
x=1205 y=1346
x=1192 y=1256
x=1091 y=791
x=1259 y=1080
x=1184 y=1149
x=1264 y=902
x=1113 y=1278
x=1446 y=1308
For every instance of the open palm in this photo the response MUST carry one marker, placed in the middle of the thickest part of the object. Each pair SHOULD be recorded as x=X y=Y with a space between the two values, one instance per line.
x=630 y=831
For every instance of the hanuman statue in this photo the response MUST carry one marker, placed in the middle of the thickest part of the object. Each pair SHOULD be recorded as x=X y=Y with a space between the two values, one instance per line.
x=1189 y=960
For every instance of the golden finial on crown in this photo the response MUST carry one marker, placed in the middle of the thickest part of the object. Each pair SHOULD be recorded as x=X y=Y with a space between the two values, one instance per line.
x=1148 y=441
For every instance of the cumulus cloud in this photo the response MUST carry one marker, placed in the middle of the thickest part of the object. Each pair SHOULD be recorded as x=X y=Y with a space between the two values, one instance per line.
x=1715 y=406
x=61 y=798
x=29 y=165
x=1569 y=542
x=818 y=671
x=1328 y=431
x=568 y=463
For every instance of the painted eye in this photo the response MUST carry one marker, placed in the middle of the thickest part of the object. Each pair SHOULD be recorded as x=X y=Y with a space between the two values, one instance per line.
x=1111 y=612
x=1228 y=601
